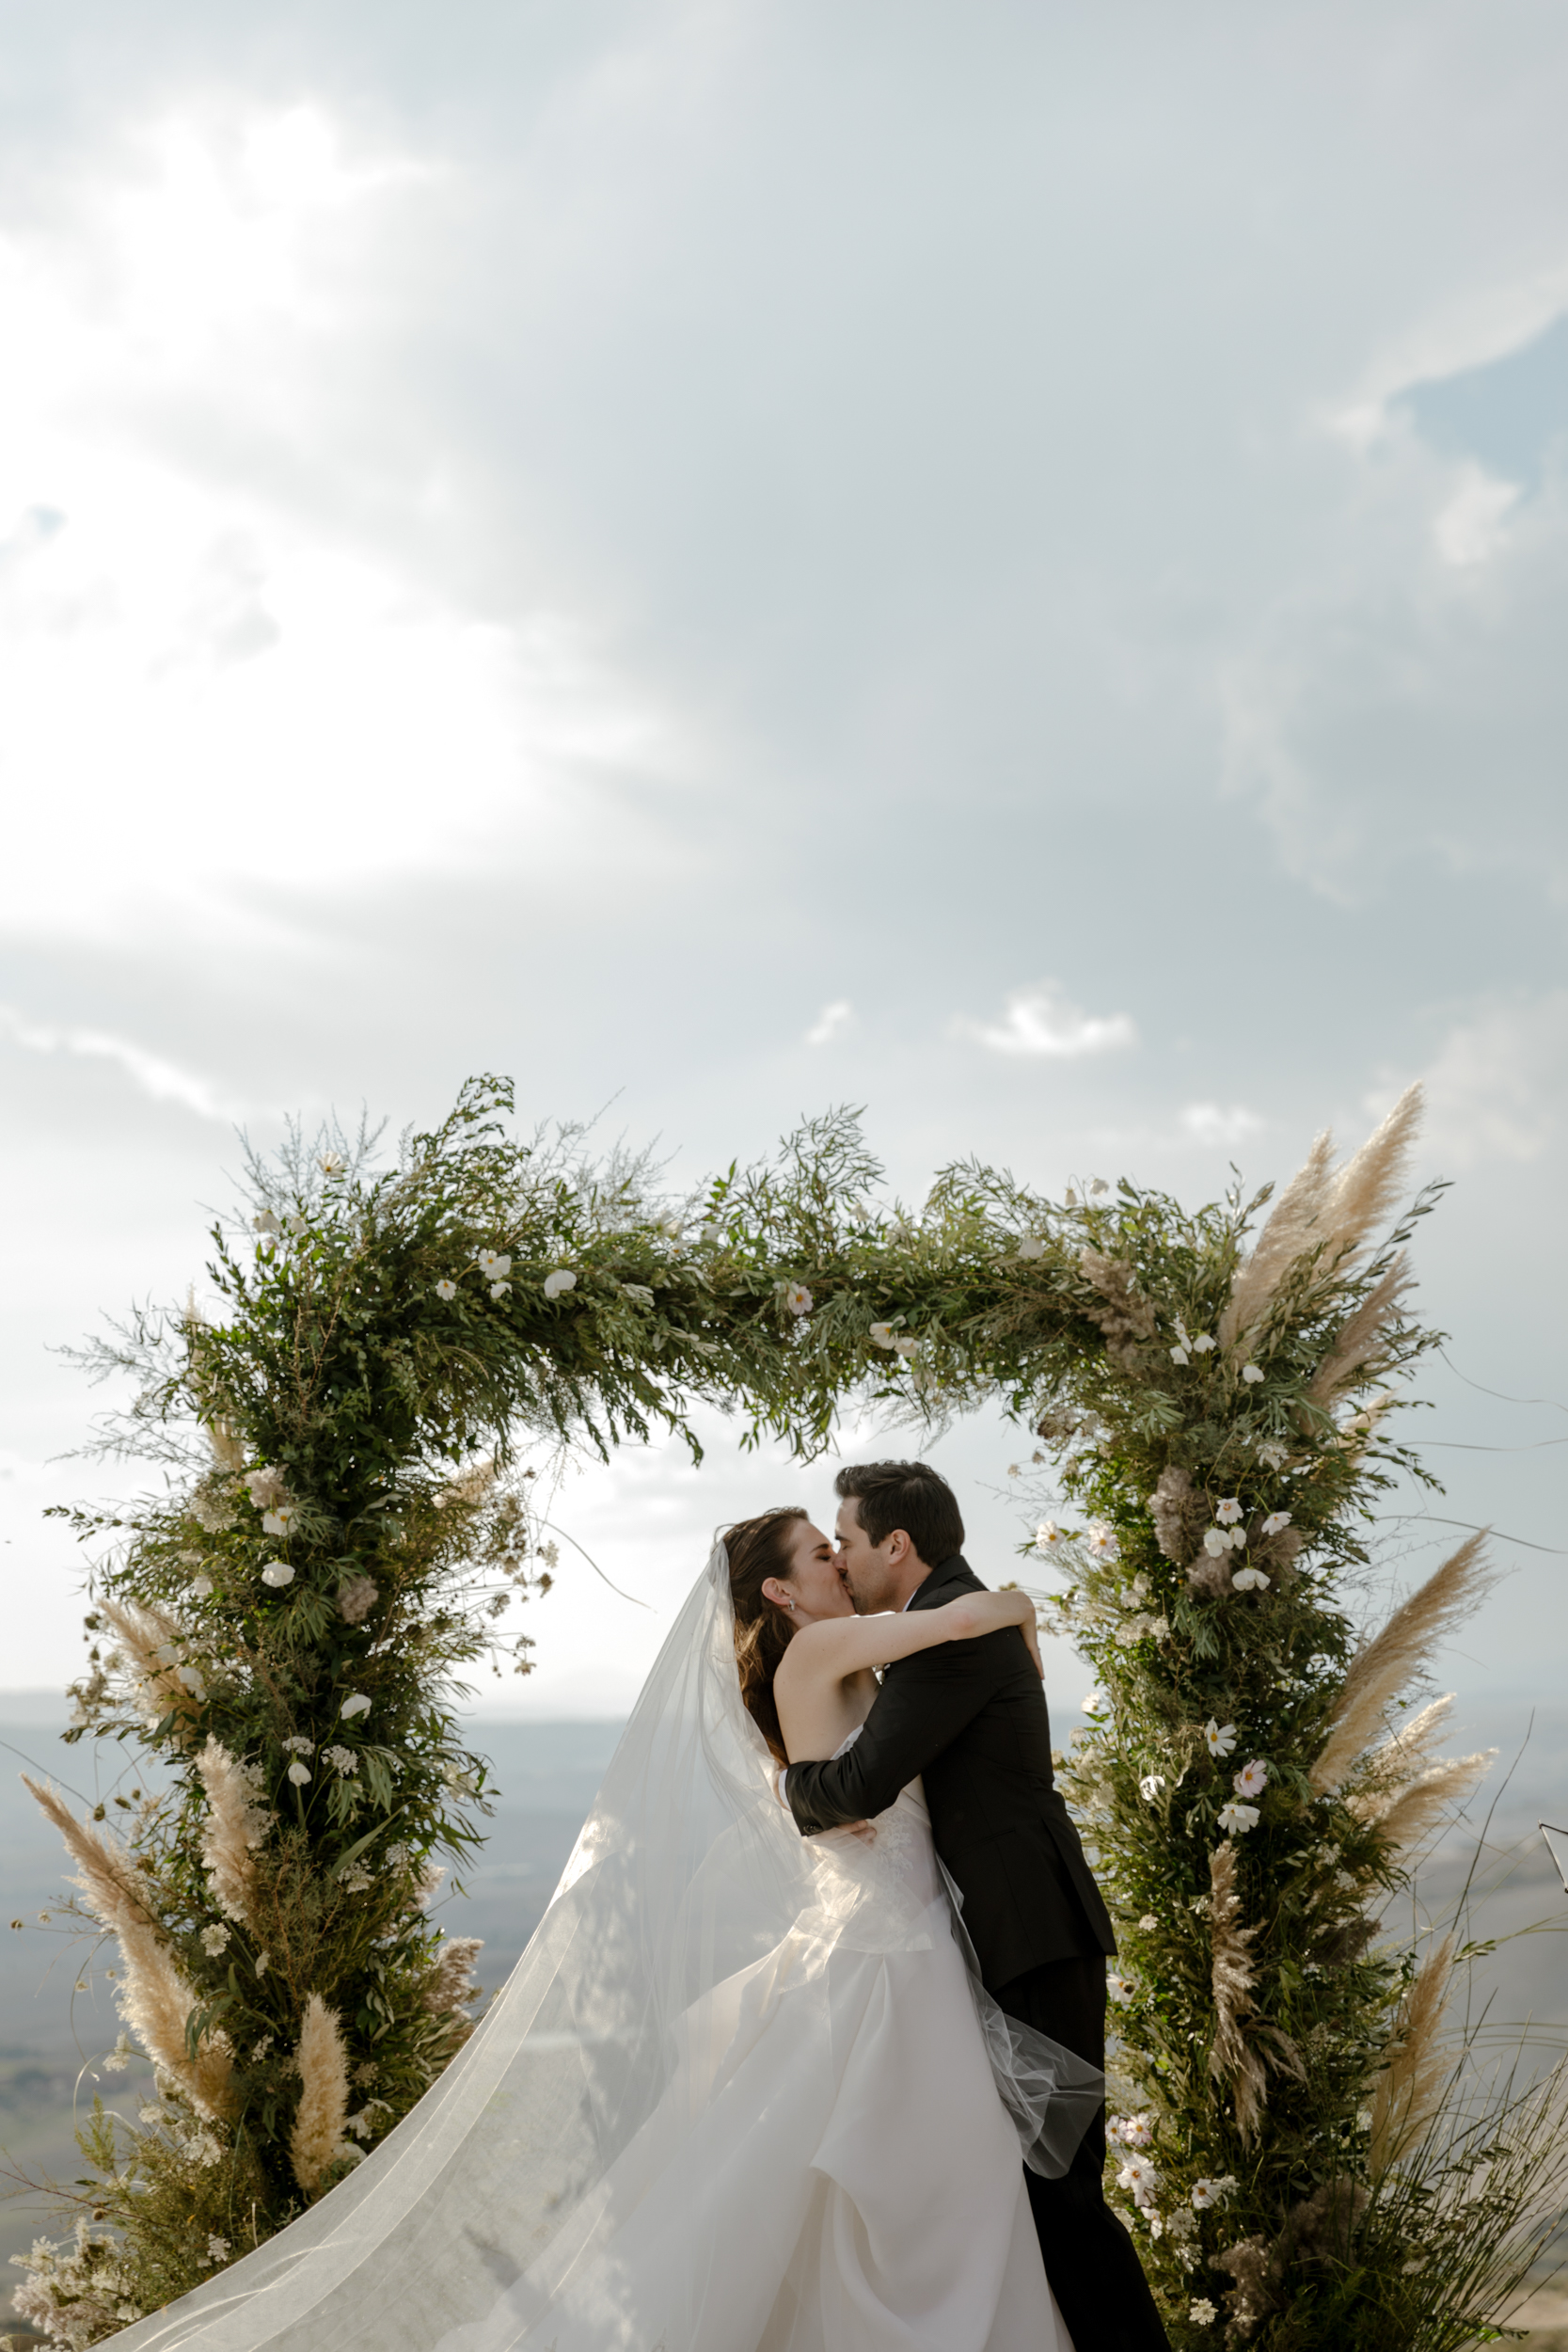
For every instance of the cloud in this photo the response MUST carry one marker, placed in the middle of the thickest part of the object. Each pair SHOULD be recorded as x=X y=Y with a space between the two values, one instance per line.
x=830 y=1020
x=1496 y=1087
x=161 y=1081
x=1205 y=1122
x=1041 y=1020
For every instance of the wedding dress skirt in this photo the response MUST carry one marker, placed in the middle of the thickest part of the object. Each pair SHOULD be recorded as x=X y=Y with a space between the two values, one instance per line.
x=830 y=2169
x=740 y=2094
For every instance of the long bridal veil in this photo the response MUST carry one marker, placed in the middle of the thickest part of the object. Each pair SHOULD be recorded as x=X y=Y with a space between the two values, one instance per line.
x=687 y=1873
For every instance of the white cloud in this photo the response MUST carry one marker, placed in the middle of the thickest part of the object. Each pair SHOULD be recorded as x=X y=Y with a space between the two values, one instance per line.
x=1041 y=1021
x=1205 y=1122
x=162 y=1081
x=1470 y=527
x=830 y=1021
x=1495 y=1091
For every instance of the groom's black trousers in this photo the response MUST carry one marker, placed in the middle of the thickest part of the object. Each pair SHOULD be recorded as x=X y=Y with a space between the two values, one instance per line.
x=1089 y=2259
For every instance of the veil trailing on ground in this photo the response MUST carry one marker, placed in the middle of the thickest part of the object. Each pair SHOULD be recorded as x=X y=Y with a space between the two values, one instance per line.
x=686 y=1875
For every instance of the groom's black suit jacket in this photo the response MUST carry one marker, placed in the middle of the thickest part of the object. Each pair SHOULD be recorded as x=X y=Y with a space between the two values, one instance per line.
x=969 y=1718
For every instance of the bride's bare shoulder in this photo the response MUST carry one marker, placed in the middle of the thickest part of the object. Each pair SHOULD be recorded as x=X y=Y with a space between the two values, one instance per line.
x=819 y=1648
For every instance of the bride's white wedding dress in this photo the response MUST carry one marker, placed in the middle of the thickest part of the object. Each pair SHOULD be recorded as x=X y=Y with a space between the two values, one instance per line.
x=742 y=2095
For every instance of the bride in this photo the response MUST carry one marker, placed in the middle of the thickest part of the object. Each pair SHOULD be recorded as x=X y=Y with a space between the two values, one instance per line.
x=743 y=2091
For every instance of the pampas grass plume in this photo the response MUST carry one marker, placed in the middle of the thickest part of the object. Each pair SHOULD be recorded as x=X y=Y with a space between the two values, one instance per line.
x=235 y=1825
x=1360 y=1336
x=1371 y=1182
x=1410 y=2088
x=317 y=2140
x=155 y=2000
x=1233 y=1976
x=1381 y=1670
x=1287 y=1233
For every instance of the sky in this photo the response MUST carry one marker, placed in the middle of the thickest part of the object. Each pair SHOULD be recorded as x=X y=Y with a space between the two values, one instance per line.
x=1008 y=565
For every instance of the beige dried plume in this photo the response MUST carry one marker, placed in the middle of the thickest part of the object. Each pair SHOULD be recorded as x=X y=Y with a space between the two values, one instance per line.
x=156 y=1998
x=1382 y=1668
x=1362 y=1336
x=1370 y=1183
x=451 y=1983
x=1232 y=2057
x=1421 y=1805
x=236 y=1824
x=1410 y=2088
x=1126 y=1317
x=1319 y=1208
x=317 y=2140
x=144 y=1632
x=1282 y=1241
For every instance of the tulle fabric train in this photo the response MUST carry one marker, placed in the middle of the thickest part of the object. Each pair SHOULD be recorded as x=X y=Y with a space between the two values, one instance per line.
x=737 y=2096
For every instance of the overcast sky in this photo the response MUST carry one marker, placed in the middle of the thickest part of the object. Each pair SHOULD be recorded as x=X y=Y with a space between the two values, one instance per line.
x=1008 y=564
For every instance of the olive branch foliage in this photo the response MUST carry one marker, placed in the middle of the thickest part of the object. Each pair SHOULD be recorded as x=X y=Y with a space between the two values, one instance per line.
x=350 y=1444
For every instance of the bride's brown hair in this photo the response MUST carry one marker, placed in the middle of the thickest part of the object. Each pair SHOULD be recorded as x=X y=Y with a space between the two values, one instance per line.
x=757 y=1550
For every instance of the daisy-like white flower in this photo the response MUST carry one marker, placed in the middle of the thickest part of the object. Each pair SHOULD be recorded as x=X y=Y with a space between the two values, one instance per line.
x=1121 y=1989
x=1252 y=1779
x=1201 y=2312
x=494 y=1265
x=1031 y=1247
x=1215 y=1540
x=190 y=1681
x=1148 y=1923
x=1095 y=1703
x=1229 y=1511
x=299 y=1773
x=446 y=1290
x=670 y=1227
x=561 y=1279
x=266 y=1223
x=331 y=1163
x=297 y=1224
x=1130 y=2131
x=798 y=1299
x=881 y=1335
x=1047 y=1533
x=1252 y=1373
x=1276 y=1522
x=1150 y=1786
x=1203 y=1345
x=498 y=1289
x=1233 y=1816
x=904 y=1345
x=214 y=1939
x=1220 y=1737
x=1250 y=1580
x=1272 y=1453
x=278 y=1520
x=1102 y=1541
x=355 y=1704
x=1180 y=1356
x=278 y=1573
x=1207 y=2193
x=1139 y=2177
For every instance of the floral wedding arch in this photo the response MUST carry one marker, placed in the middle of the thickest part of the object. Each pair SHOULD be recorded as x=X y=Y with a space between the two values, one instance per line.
x=1307 y=2154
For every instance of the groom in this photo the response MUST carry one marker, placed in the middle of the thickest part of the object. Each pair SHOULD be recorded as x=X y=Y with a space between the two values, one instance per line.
x=969 y=1718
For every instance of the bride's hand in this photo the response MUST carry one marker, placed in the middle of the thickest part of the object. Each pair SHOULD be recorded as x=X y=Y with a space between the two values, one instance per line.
x=865 y=1830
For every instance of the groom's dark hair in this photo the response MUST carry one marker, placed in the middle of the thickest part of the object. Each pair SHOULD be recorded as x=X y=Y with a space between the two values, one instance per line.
x=911 y=1495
